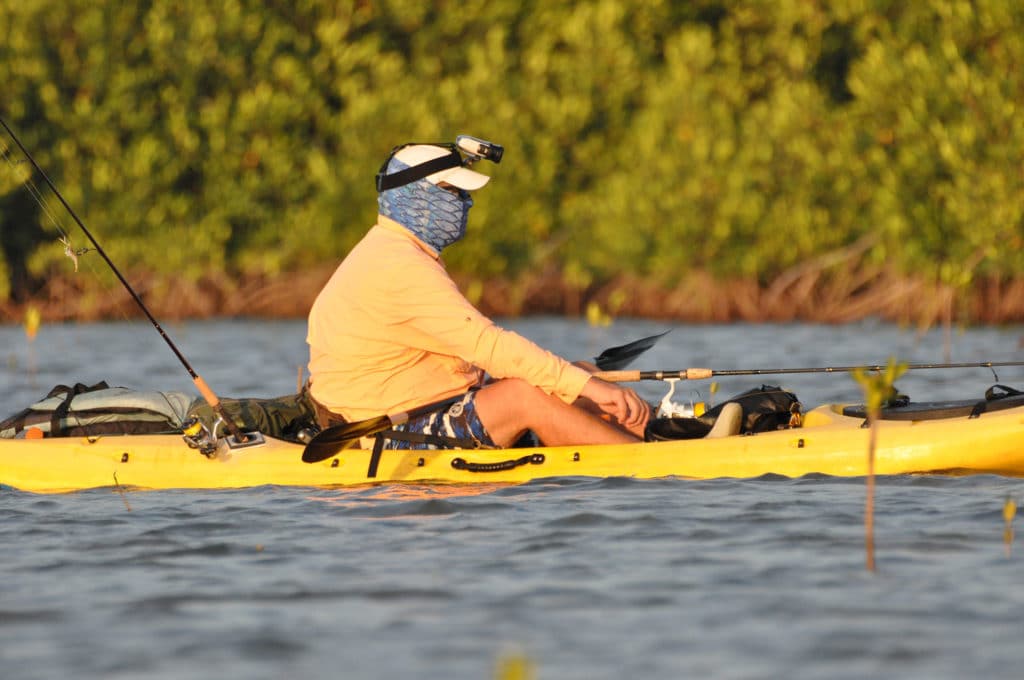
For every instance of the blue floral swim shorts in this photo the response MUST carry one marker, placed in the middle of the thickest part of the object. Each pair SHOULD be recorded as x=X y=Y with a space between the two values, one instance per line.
x=460 y=421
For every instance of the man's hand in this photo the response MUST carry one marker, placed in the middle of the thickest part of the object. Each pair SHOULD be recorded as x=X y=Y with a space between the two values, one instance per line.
x=621 y=403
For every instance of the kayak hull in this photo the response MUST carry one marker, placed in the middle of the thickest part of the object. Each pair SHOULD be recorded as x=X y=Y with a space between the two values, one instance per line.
x=829 y=443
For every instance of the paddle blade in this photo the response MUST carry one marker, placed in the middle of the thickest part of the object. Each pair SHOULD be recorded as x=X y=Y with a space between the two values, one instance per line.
x=617 y=358
x=334 y=439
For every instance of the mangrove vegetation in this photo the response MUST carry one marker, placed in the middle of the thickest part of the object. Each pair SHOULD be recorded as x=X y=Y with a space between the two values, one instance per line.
x=713 y=159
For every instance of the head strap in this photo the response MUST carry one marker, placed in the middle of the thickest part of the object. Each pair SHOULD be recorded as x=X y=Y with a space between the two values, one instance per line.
x=394 y=180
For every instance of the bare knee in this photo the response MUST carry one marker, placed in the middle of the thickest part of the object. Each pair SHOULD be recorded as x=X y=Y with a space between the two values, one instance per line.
x=516 y=396
x=509 y=407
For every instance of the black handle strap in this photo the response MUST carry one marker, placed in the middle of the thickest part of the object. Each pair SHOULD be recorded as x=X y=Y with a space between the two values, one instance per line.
x=1001 y=392
x=530 y=459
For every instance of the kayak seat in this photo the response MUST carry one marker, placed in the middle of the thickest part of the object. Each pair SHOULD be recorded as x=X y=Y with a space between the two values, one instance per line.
x=728 y=422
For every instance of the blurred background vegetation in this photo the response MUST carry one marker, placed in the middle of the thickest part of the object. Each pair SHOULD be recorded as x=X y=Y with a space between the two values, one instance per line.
x=646 y=143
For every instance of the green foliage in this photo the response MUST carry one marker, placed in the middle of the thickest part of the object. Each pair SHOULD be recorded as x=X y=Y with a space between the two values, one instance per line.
x=939 y=90
x=738 y=136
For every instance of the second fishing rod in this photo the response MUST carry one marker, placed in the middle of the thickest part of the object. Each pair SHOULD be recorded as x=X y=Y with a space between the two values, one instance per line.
x=208 y=394
x=704 y=373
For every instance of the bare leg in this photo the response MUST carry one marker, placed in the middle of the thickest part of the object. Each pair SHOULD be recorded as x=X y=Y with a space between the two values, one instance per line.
x=510 y=407
x=590 y=407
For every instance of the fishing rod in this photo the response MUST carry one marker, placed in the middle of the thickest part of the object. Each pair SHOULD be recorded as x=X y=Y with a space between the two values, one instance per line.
x=204 y=389
x=704 y=373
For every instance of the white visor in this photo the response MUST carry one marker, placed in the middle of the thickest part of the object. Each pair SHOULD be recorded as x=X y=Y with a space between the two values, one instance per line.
x=461 y=177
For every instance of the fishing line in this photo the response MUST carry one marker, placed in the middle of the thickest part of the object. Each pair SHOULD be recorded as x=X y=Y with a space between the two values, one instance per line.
x=37 y=195
x=70 y=252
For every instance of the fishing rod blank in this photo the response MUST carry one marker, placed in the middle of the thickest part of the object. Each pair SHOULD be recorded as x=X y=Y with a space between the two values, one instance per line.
x=704 y=373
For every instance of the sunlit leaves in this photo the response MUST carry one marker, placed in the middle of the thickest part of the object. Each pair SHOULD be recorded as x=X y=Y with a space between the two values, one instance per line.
x=735 y=136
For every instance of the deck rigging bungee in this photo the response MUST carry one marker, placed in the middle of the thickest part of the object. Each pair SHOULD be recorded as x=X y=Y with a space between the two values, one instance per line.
x=237 y=438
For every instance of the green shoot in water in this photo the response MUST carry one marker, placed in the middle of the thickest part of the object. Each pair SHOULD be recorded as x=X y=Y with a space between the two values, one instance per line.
x=878 y=387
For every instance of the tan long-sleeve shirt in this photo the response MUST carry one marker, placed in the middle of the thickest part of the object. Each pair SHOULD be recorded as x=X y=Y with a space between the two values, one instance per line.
x=390 y=331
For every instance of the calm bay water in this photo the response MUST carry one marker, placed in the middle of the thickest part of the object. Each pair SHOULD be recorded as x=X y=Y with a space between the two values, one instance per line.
x=586 y=578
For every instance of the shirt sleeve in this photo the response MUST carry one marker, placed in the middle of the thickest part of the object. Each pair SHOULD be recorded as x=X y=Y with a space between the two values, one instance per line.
x=435 y=317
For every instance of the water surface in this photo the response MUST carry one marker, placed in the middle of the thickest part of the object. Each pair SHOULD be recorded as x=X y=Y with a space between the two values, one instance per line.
x=759 y=578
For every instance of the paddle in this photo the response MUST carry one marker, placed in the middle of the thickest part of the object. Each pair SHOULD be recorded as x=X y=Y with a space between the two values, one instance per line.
x=616 y=358
x=702 y=373
x=328 y=442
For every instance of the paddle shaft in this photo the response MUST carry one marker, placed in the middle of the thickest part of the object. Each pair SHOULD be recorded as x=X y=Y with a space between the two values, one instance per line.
x=328 y=442
x=704 y=373
x=204 y=389
x=405 y=416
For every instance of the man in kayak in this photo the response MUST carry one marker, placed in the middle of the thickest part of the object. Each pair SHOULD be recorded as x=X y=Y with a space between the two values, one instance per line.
x=390 y=331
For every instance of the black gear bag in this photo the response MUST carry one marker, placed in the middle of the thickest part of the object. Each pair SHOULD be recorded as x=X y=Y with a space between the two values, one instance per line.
x=765 y=408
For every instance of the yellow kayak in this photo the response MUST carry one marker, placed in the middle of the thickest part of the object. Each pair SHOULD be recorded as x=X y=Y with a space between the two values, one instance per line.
x=828 y=443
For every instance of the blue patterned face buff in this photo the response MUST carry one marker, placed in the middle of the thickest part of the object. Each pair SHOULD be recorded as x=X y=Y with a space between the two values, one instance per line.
x=435 y=215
